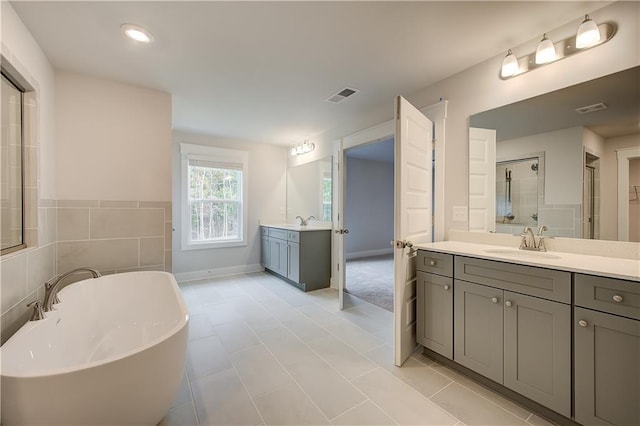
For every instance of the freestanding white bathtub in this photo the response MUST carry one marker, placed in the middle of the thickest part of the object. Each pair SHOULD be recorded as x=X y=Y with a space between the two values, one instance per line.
x=112 y=353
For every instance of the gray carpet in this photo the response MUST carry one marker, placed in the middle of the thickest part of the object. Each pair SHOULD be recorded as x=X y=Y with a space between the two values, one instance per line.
x=371 y=279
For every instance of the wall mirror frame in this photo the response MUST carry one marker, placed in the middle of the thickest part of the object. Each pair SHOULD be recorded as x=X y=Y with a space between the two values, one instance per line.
x=582 y=131
x=310 y=191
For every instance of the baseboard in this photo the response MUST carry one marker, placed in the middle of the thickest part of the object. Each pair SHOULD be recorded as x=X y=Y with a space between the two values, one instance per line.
x=183 y=277
x=368 y=253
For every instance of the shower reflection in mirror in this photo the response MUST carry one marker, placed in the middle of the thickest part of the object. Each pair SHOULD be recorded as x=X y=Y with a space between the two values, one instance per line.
x=517 y=183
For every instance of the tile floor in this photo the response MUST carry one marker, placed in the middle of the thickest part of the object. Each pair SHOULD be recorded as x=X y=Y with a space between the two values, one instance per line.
x=261 y=352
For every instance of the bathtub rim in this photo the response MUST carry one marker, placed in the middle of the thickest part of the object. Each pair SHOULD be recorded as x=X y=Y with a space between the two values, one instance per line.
x=184 y=322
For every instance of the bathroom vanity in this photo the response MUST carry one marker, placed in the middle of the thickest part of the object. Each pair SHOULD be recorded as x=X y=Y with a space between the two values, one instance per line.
x=300 y=255
x=558 y=332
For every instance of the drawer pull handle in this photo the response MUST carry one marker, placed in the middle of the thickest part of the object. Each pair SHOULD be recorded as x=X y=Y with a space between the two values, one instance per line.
x=432 y=263
x=583 y=323
x=494 y=299
x=446 y=287
x=617 y=298
x=508 y=303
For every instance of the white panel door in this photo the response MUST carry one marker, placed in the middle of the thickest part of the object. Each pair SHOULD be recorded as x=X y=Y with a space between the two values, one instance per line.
x=413 y=218
x=338 y=217
x=482 y=179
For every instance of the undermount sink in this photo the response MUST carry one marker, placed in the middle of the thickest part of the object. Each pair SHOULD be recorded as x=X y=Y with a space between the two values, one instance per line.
x=522 y=254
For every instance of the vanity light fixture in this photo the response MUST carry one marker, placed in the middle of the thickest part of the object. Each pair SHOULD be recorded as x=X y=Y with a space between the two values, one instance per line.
x=546 y=51
x=303 y=148
x=509 y=65
x=137 y=33
x=589 y=35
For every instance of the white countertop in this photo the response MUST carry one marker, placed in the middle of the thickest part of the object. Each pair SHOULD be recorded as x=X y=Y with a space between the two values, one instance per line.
x=627 y=269
x=298 y=228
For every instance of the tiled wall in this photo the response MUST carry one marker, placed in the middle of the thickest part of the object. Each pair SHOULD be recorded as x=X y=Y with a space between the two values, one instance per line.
x=114 y=236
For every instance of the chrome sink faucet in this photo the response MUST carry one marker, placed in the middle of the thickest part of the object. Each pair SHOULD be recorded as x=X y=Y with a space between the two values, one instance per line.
x=529 y=242
x=54 y=285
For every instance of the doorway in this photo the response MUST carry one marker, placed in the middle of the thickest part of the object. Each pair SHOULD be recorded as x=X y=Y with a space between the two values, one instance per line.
x=368 y=210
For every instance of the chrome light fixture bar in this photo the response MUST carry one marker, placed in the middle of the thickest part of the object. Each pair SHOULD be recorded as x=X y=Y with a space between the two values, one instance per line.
x=303 y=148
x=563 y=49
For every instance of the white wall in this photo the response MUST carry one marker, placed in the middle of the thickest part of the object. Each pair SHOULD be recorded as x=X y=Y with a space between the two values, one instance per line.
x=563 y=161
x=114 y=140
x=368 y=207
x=609 y=179
x=479 y=88
x=267 y=203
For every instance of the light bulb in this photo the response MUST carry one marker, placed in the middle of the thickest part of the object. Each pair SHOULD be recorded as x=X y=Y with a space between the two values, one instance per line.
x=136 y=33
x=546 y=51
x=510 y=65
x=588 y=33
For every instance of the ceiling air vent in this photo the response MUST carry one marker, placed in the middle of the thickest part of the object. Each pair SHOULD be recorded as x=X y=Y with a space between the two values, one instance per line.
x=592 y=108
x=341 y=95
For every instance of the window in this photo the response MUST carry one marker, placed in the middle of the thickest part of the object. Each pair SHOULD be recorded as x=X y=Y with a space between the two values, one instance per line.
x=11 y=168
x=214 y=207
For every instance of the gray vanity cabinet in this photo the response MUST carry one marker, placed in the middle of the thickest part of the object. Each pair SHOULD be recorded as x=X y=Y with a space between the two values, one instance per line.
x=522 y=341
x=434 y=290
x=302 y=258
x=607 y=351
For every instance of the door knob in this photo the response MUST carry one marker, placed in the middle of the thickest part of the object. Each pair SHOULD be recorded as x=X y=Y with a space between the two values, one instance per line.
x=494 y=299
x=446 y=287
x=508 y=303
x=583 y=323
x=432 y=263
x=617 y=298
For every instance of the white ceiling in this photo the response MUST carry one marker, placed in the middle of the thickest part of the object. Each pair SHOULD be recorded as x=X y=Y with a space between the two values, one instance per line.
x=262 y=70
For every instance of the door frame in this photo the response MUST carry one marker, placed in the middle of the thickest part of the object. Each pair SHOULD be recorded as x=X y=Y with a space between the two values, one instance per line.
x=624 y=155
x=437 y=113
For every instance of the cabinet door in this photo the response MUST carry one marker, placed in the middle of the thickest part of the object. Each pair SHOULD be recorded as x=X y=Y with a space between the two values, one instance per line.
x=264 y=251
x=283 y=255
x=278 y=256
x=293 y=262
x=537 y=350
x=478 y=328
x=607 y=369
x=435 y=313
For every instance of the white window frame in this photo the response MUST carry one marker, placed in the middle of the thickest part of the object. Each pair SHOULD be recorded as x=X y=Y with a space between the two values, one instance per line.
x=213 y=154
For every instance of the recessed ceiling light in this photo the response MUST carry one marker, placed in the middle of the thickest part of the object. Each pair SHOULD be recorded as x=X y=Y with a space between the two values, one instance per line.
x=134 y=32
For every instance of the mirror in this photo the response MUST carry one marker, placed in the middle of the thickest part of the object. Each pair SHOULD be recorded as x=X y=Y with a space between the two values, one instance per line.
x=573 y=138
x=309 y=191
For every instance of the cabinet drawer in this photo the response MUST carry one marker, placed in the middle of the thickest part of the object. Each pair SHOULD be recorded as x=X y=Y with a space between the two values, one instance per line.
x=293 y=236
x=264 y=231
x=435 y=263
x=608 y=295
x=540 y=282
x=278 y=233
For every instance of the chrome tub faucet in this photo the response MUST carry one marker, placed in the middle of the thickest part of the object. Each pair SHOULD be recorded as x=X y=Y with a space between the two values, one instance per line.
x=54 y=285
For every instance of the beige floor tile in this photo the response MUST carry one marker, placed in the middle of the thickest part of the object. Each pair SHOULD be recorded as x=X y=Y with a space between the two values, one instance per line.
x=206 y=356
x=183 y=415
x=472 y=408
x=343 y=358
x=259 y=370
x=331 y=392
x=519 y=411
x=286 y=347
x=200 y=326
x=318 y=314
x=305 y=328
x=402 y=403
x=236 y=336
x=417 y=375
x=221 y=399
x=222 y=314
x=353 y=336
x=364 y=414
x=289 y=406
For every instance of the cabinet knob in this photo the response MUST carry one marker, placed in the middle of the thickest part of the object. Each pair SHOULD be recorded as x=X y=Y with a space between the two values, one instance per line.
x=432 y=263
x=508 y=303
x=494 y=299
x=583 y=323
x=446 y=287
x=617 y=298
